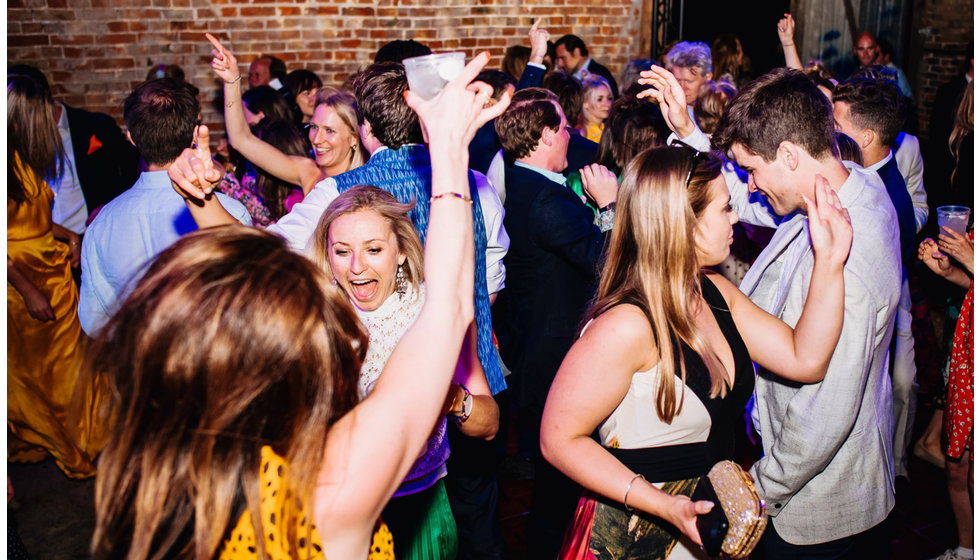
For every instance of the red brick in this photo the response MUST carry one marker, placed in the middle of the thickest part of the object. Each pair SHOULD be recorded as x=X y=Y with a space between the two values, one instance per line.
x=258 y=11
x=66 y=40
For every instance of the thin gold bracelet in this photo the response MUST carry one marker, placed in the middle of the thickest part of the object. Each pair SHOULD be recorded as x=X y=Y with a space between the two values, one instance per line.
x=628 y=487
x=462 y=197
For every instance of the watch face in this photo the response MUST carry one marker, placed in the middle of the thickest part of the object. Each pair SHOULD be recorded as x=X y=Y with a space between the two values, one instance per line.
x=467 y=405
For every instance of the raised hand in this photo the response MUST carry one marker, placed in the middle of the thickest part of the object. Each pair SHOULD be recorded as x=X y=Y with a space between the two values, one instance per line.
x=193 y=174
x=224 y=64
x=600 y=184
x=785 y=29
x=667 y=92
x=538 y=38
x=830 y=225
x=958 y=246
x=451 y=118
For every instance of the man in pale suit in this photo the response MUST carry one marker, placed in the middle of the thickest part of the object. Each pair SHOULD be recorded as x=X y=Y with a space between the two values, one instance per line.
x=826 y=474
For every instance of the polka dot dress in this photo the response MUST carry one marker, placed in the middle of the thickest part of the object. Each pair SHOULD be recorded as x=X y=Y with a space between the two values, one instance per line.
x=282 y=513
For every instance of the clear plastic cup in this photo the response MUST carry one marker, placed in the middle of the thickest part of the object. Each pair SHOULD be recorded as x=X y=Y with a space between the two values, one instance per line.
x=428 y=74
x=955 y=218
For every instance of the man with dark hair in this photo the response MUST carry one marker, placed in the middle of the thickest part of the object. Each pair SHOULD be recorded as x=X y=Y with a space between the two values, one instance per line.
x=826 y=473
x=99 y=163
x=872 y=113
x=161 y=118
x=267 y=70
x=886 y=53
x=573 y=58
x=399 y=50
x=551 y=274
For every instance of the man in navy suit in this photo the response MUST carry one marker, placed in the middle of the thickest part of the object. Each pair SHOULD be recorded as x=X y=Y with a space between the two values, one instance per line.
x=552 y=268
x=573 y=58
x=872 y=113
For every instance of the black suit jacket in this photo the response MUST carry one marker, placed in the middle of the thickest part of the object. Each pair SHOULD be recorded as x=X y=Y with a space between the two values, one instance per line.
x=107 y=163
x=601 y=70
x=552 y=267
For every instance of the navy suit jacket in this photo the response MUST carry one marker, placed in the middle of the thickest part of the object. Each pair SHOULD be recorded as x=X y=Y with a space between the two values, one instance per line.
x=899 y=195
x=107 y=163
x=552 y=267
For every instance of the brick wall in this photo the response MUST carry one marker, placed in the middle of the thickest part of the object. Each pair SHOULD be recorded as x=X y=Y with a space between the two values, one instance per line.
x=95 y=51
x=943 y=28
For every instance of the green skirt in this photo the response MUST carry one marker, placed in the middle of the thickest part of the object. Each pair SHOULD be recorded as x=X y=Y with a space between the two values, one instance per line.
x=422 y=525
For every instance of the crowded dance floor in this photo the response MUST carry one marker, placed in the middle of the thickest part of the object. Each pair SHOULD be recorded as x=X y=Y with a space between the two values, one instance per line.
x=530 y=303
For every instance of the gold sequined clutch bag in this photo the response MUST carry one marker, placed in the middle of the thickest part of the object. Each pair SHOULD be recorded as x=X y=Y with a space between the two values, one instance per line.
x=736 y=523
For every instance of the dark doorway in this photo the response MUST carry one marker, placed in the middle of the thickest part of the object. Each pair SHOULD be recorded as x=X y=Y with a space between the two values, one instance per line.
x=754 y=23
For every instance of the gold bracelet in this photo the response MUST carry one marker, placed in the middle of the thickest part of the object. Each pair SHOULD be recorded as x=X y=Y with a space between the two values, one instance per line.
x=235 y=81
x=462 y=197
x=628 y=487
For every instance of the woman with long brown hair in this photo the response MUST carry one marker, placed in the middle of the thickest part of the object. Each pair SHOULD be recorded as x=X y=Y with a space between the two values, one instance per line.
x=44 y=338
x=674 y=345
x=235 y=368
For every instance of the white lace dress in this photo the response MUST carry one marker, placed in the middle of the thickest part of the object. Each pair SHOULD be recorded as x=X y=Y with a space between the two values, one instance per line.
x=386 y=325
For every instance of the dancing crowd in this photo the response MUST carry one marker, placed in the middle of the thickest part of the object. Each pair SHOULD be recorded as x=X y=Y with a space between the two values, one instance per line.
x=312 y=337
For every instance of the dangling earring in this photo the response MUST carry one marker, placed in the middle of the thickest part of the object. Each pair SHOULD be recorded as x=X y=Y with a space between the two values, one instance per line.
x=401 y=283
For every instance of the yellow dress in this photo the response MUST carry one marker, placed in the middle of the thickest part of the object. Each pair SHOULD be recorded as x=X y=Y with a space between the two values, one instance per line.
x=594 y=131
x=44 y=358
x=279 y=516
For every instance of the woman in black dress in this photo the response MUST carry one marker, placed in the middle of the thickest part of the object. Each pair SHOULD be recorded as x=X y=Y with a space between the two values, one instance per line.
x=664 y=363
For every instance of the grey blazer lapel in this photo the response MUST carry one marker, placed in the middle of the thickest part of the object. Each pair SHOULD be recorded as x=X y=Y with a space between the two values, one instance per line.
x=787 y=232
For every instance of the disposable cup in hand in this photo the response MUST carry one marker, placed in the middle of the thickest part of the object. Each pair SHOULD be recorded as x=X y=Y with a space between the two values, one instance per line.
x=953 y=217
x=428 y=74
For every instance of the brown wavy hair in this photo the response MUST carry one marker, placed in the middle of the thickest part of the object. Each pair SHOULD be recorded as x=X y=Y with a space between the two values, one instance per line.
x=367 y=197
x=521 y=125
x=962 y=126
x=227 y=344
x=653 y=262
x=633 y=125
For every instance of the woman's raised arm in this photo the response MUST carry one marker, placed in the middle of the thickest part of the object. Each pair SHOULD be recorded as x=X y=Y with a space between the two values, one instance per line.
x=297 y=170
x=370 y=450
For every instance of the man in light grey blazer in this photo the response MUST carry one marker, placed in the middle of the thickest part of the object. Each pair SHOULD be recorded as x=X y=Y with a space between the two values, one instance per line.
x=827 y=473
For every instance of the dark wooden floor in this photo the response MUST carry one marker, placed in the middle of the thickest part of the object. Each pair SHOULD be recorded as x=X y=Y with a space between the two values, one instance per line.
x=55 y=517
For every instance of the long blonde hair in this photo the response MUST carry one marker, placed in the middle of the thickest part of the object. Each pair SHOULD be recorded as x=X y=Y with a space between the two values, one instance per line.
x=653 y=262
x=367 y=197
x=345 y=105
